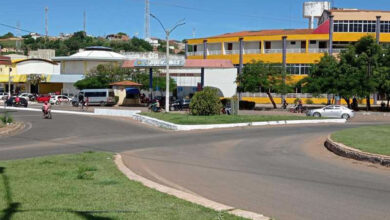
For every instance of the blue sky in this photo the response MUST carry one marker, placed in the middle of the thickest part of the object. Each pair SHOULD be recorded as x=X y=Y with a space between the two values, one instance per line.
x=206 y=17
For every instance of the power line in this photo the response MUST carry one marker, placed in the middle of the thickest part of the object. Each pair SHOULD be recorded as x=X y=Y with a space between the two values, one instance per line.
x=220 y=12
x=17 y=28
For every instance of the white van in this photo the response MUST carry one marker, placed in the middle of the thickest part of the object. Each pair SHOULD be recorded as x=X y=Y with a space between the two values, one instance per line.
x=99 y=96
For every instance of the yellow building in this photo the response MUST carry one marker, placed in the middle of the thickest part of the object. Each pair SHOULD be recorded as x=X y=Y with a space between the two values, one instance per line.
x=303 y=46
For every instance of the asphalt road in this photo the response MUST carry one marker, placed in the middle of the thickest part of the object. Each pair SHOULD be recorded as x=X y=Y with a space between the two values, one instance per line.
x=282 y=172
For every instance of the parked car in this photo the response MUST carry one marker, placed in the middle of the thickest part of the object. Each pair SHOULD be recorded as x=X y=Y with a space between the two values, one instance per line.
x=99 y=96
x=22 y=102
x=3 y=95
x=57 y=99
x=180 y=104
x=43 y=98
x=332 y=111
x=27 y=96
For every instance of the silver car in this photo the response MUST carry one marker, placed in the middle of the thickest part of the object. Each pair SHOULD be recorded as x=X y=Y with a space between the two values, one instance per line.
x=332 y=111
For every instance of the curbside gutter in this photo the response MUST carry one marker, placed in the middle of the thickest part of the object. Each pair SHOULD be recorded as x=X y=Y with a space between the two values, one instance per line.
x=348 y=152
x=177 y=127
x=184 y=195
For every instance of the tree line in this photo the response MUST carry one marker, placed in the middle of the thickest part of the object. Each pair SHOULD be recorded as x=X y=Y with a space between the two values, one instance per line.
x=71 y=45
x=357 y=72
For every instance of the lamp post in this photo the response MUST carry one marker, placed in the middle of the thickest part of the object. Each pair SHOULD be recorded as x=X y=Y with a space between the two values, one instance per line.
x=167 y=33
x=9 y=82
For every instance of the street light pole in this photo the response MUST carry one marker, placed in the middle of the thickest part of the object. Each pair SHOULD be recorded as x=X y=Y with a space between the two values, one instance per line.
x=9 y=82
x=167 y=33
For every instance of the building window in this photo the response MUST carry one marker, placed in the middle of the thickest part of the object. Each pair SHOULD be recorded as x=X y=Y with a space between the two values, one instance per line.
x=292 y=42
x=313 y=42
x=195 y=48
x=298 y=69
x=322 y=45
x=230 y=46
x=303 y=44
x=260 y=45
x=268 y=45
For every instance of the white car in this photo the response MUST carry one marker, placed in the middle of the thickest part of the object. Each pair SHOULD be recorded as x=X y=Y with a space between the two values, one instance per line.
x=26 y=96
x=3 y=95
x=57 y=99
x=332 y=111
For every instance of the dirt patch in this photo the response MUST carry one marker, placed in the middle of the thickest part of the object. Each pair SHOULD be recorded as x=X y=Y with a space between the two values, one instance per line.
x=11 y=129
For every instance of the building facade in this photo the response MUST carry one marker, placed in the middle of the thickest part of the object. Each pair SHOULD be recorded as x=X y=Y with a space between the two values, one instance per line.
x=303 y=46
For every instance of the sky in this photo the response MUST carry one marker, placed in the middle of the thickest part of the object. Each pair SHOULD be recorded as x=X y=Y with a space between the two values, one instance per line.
x=203 y=17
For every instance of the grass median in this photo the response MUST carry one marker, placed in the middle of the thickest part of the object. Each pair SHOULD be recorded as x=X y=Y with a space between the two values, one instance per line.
x=371 y=139
x=186 y=119
x=85 y=186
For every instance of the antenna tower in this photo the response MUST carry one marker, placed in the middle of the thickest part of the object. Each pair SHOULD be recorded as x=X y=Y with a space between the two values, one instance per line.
x=147 y=20
x=46 y=24
x=18 y=42
x=85 y=22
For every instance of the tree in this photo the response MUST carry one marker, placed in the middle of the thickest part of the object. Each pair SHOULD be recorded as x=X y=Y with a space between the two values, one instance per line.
x=382 y=76
x=368 y=54
x=35 y=79
x=331 y=76
x=206 y=102
x=258 y=75
x=7 y=35
x=103 y=75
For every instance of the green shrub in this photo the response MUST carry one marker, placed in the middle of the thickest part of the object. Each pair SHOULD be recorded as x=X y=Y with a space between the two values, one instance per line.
x=296 y=101
x=309 y=101
x=247 y=105
x=6 y=118
x=206 y=102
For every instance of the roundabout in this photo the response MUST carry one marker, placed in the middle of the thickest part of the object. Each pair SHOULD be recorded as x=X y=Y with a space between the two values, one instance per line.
x=282 y=172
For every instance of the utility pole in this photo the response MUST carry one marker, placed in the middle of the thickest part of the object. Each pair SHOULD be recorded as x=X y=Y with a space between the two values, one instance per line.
x=147 y=20
x=167 y=33
x=46 y=23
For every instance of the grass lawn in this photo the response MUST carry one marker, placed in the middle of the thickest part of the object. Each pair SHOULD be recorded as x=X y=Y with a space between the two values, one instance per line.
x=85 y=186
x=186 y=119
x=372 y=139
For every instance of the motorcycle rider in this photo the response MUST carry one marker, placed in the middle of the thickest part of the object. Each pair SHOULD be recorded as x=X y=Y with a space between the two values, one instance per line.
x=46 y=108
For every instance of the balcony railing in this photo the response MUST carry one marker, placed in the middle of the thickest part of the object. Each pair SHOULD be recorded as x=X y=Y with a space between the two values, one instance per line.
x=273 y=51
x=324 y=50
x=228 y=52
x=214 y=52
x=296 y=50
x=252 y=51
x=196 y=53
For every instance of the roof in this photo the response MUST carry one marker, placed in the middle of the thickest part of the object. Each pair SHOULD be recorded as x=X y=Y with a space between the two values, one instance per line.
x=93 y=54
x=264 y=33
x=125 y=83
x=5 y=60
x=356 y=14
x=193 y=63
x=35 y=59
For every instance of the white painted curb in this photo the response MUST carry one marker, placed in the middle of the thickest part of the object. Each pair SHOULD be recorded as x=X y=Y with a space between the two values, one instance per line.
x=184 y=195
x=116 y=112
x=105 y=112
x=177 y=127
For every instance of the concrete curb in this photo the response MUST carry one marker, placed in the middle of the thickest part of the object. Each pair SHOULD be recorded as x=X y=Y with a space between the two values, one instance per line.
x=97 y=112
x=177 y=127
x=348 y=152
x=184 y=195
x=18 y=127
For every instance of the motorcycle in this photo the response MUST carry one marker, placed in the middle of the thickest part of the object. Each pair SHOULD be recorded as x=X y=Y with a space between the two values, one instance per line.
x=47 y=114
